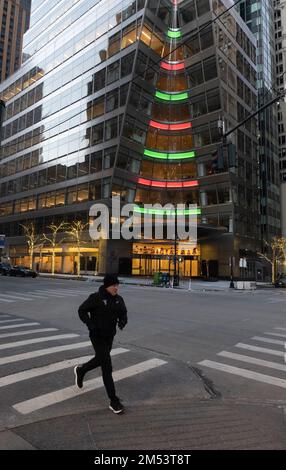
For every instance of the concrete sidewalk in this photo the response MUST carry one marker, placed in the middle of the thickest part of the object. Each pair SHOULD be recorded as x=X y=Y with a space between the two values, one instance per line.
x=185 y=424
x=185 y=284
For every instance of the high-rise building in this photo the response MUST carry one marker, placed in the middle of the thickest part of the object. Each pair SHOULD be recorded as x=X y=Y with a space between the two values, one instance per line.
x=280 y=36
x=123 y=98
x=14 y=21
x=259 y=17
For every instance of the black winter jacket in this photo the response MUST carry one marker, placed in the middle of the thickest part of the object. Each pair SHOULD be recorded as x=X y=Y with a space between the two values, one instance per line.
x=101 y=312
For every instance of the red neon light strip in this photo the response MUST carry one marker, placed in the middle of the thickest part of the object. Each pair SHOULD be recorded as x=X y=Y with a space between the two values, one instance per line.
x=170 y=127
x=167 y=184
x=172 y=67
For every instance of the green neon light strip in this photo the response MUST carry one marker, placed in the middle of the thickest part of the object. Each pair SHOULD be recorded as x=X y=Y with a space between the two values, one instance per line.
x=169 y=156
x=173 y=34
x=171 y=97
x=142 y=210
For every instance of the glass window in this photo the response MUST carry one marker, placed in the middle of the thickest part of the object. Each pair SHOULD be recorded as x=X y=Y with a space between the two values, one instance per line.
x=206 y=37
x=111 y=100
x=95 y=162
x=127 y=64
x=97 y=134
x=99 y=80
x=111 y=129
x=195 y=74
x=188 y=12
x=203 y=6
x=112 y=72
x=213 y=100
x=210 y=69
x=82 y=193
x=71 y=197
x=114 y=44
x=60 y=198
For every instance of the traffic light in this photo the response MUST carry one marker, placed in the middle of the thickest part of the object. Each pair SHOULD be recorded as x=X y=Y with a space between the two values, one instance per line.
x=218 y=160
x=231 y=154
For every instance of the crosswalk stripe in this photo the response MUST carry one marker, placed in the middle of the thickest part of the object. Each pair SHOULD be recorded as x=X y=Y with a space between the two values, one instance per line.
x=30 y=294
x=42 y=401
x=31 y=373
x=18 y=344
x=52 y=293
x=248 y=374
x=21 y=325
x=268 y=340
x=16 y=296
x=253 y=360
x=277 y=328
x=28 y=332
x=274 y=352
x=275 y=334
x=5 y=316
x=6 y=300
x=42 y=352
x=74 y=290
x=10 y=321
x=58 y=292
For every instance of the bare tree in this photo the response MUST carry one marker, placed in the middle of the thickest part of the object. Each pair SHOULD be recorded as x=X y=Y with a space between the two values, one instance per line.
x=32 y=239
x=75 y=230
x=276 y=254
x=53 y=240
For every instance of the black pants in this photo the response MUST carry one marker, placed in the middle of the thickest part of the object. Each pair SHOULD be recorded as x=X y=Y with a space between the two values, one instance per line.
x=102 y=348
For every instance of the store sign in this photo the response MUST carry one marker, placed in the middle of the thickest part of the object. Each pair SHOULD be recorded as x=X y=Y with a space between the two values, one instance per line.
x=2 y=241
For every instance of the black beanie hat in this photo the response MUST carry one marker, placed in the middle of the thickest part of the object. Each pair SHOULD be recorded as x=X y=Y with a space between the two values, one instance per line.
x=110 y=280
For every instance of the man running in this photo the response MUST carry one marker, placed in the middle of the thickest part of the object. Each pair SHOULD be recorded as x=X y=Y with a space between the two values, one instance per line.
x=101 y=312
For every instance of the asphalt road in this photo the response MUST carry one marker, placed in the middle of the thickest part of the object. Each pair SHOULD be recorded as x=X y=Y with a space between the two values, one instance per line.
x=195 y=370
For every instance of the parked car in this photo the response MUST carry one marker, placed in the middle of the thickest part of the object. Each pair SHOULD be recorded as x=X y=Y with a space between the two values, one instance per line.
x=22 y=271
x=281 y=281
x=5 y=269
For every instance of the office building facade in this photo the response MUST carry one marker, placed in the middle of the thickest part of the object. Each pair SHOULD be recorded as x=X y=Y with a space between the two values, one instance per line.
x=280 y=37
x=125 y=101
x=259 y=17
x=14 y=21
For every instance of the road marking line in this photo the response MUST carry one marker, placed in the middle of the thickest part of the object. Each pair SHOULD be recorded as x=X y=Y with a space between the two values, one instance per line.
x=277 y=328
x=6 y=300
x=253 y=360
x=31 y=294
x=52 y=294
x=5 y=316
x=18 y=344
x=268 y=340
x=29 y=332
x=21 y=325
x=42 y=401
x=10 y=321
x=73 y=291
x=274 y=352
x=31 y=373
x=60 y=292
x=17 y=297
x=43 y=352
x=248 y=374
x=274 y=334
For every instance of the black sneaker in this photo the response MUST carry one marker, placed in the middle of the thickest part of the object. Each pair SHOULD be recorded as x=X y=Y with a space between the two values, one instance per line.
x=78 y=376
x=116 y=406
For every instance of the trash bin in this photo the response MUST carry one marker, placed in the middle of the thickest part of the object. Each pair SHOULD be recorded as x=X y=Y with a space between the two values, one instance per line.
x=165 y=279
x=157 y=279
x=176 y=280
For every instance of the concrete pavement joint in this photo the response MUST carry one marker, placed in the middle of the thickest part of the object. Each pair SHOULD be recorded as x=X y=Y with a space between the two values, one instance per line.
x=207 y=383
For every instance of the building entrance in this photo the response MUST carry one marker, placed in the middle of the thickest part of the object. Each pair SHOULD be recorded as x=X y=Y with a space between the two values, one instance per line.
x=149 y=258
